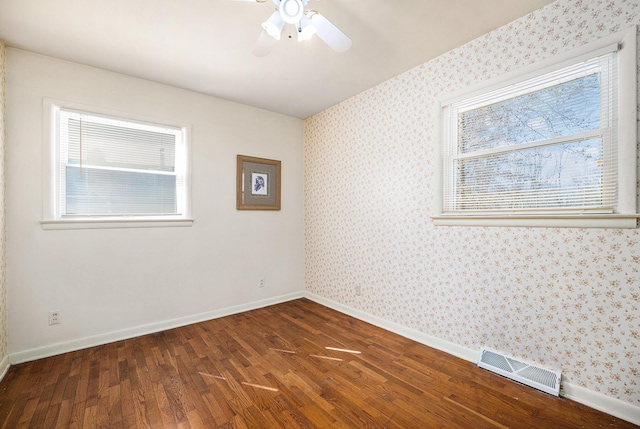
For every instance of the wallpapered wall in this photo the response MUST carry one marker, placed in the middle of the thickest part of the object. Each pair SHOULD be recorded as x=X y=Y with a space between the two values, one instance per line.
x=566 y=298
x=3 y=286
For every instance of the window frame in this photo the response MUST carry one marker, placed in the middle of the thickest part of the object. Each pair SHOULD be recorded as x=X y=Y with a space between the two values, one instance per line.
x=625 y=215
x=51 y=216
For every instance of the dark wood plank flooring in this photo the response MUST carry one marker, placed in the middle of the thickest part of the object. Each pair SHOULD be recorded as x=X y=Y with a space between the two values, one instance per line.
x=292 y=365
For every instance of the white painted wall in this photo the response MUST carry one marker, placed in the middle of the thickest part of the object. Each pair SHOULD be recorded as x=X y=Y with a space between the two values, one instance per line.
x=4 y=358
x=109 y=280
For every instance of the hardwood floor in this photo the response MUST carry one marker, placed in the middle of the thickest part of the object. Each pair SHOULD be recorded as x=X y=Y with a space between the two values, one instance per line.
x=292 y=365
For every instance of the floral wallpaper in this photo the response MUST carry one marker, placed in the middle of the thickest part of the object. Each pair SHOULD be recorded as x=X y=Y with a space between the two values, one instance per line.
x=3 y=271
x=565 y=298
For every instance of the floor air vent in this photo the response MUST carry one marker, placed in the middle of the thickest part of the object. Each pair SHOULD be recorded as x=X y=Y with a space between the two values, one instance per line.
x=531 y=375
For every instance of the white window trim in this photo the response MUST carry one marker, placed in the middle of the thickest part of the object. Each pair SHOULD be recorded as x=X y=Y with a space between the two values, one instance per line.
x=50 y=179
x=627 y=216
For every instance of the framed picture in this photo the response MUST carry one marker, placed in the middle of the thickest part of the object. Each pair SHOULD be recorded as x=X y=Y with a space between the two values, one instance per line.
x=257 y=184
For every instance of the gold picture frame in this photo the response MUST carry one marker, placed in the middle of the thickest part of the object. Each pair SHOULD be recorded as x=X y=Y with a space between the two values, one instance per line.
x=257 y=183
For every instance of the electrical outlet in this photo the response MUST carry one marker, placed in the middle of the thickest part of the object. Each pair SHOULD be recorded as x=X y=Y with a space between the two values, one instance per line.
x=261 y=283
x=54 y=317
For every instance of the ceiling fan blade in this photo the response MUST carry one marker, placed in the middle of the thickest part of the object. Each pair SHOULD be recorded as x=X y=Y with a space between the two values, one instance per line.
x=329 y=33
x=263 y=44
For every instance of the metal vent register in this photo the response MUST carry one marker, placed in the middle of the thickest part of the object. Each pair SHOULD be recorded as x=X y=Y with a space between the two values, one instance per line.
x=539 y=378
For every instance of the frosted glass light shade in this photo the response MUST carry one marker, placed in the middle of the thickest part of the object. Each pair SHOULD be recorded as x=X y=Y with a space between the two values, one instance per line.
x=273 y=26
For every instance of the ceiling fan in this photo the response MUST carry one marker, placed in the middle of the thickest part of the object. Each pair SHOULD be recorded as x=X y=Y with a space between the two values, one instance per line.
x=307 y=23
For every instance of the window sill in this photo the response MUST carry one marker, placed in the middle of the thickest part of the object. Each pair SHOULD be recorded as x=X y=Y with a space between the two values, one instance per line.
x=114 y=223
x=617 y=221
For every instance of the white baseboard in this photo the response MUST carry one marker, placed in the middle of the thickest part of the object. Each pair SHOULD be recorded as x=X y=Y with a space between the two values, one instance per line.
x=4 y=366
x=606 y=404
x=598 y=401
x=420 y=337
x=109 y=337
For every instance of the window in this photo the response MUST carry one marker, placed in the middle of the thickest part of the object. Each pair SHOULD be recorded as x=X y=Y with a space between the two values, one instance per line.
x=106 y=170
x=550 y=145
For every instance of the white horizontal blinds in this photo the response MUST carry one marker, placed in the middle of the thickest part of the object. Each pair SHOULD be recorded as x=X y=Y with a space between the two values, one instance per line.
x=544 y=144
x=110 y=167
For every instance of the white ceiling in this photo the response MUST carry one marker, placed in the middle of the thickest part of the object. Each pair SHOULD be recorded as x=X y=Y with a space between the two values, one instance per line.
x=205 y=45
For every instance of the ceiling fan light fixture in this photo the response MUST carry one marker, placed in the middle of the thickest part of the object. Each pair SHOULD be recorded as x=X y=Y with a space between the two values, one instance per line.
x=273 y=26
x=307 y=23
x=291 y=10
x=306 y=30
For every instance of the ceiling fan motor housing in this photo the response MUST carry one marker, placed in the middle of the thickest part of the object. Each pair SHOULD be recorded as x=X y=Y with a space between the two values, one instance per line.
x=291 y=11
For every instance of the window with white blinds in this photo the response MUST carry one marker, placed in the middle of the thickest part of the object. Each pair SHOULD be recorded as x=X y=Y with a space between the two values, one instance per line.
x=547 y=145
x=109 y=167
